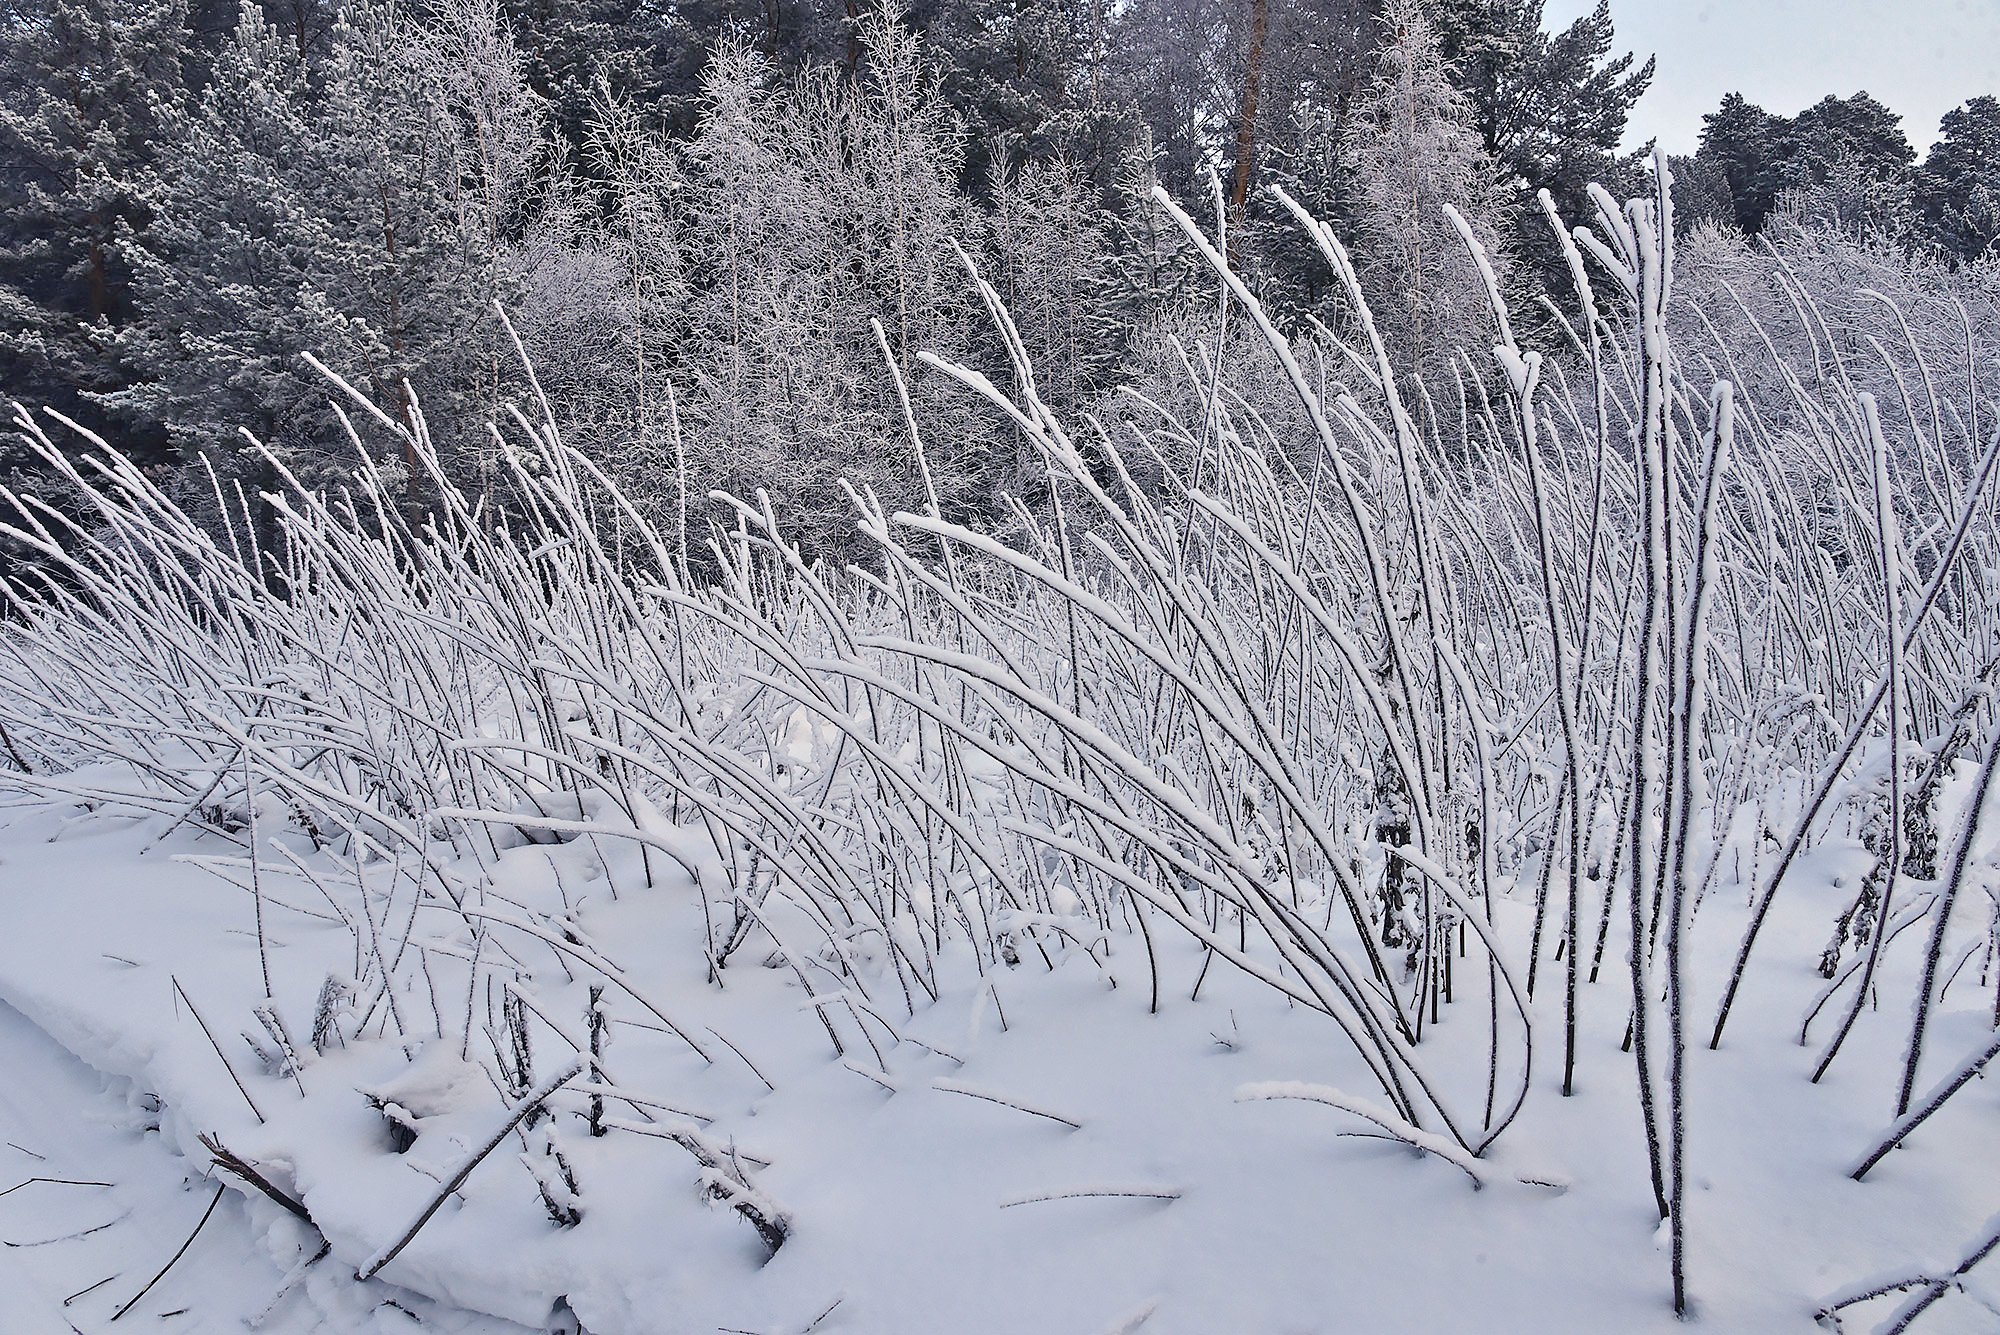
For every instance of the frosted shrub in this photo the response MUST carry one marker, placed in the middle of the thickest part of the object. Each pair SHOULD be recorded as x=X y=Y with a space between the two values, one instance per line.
x=1322 y=696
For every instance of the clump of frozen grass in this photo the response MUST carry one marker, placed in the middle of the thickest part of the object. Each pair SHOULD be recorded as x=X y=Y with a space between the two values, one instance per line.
x=1324 y=705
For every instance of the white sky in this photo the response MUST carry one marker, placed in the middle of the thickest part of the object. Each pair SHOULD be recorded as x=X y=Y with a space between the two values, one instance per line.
x=1920 y=58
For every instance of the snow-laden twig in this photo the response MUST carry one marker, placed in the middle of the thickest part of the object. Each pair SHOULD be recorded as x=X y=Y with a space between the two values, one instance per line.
x=959 y=1087
x=722 y=1176
x=1419 y=1140
x=1089 y=1193
x=528 y=1103
x=1938 y=1096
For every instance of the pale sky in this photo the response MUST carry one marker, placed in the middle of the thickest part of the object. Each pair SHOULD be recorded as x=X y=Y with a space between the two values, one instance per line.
x=1920 y=58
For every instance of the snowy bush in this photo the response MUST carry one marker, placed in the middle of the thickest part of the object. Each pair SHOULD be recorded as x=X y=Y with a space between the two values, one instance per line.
x=1593 y=637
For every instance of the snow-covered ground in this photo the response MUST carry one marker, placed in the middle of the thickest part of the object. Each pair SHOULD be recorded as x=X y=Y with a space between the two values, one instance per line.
x=97 y=1203
x=1172 y=1204
x=94 y=1198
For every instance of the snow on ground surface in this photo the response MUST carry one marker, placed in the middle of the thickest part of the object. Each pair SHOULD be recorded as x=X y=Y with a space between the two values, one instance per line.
x=1172 y=1204
x=99 y=1203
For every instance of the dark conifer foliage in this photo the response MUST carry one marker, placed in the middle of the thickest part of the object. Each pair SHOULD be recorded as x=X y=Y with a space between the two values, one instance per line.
x=692 y=211
x=1747 y=146
x=84 y=88
x=1551 y=107
x=1958 y=188
x=1843 y=160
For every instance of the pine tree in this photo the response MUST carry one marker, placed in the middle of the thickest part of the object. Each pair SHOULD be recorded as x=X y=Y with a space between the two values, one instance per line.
x=1842 y=161
x=1747 y=144
x=1958 y=189
x=1550 y=108
x=1168 y=57
x=789 y=35
x=241 y=269
x=1701 y=193
x=1016 y=67
x=1851 y=167
x=1233 y=87
x=569 y=47
x=82 y=87
x=1322 y=59
x=1856 y=129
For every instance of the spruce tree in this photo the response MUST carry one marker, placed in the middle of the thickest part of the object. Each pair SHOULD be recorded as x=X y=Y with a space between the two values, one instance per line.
x=356 y=206
x=1414 y=150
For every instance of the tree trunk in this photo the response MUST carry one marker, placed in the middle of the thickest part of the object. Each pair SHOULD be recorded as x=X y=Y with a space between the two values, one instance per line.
x=399 y=388
x=100 y=276
x=1096 y=52
x=1246 y=115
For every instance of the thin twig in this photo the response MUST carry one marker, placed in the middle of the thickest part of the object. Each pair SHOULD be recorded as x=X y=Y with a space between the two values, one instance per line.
x=210 y=1034
x=206 y=1215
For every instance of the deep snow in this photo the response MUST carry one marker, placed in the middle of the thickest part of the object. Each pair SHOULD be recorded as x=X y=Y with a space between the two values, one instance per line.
x=1173 y=1206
